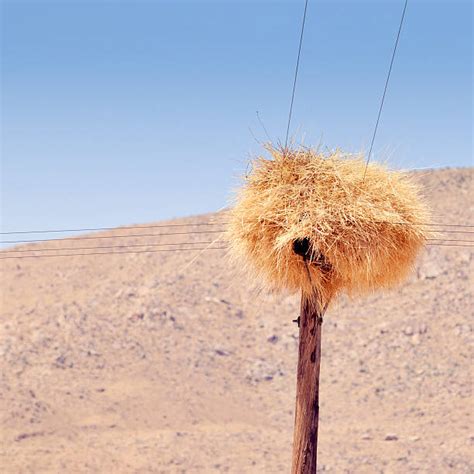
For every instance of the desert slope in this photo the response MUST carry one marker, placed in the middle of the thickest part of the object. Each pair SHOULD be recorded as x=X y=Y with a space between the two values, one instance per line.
x=143 y=363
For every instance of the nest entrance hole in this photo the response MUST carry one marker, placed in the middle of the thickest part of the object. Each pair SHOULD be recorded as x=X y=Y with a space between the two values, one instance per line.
x=303 y=248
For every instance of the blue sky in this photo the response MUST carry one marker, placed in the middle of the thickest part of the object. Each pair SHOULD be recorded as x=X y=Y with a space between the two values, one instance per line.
x=126 y=112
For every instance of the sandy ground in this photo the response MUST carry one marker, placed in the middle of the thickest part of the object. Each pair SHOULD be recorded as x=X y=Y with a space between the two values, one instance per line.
x=137 y=364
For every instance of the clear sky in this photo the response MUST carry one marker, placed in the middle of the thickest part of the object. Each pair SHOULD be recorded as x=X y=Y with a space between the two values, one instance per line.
x=126 y=112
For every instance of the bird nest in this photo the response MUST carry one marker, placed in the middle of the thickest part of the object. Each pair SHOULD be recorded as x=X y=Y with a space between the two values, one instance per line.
x=323 y=223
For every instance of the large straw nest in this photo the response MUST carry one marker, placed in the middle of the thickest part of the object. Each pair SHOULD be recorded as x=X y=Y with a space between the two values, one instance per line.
x=324 y=224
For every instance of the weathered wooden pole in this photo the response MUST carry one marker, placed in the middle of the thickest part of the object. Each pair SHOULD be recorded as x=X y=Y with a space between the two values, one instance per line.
x=305 y=439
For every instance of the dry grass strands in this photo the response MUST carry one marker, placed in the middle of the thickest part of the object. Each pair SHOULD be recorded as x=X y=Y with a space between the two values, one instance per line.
x=310 y=221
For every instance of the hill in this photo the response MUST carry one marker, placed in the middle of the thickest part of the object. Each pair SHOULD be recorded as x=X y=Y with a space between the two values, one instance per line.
x=143 y=362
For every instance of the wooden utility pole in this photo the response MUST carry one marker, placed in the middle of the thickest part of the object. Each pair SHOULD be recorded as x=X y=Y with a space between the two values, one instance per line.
x=305 y=440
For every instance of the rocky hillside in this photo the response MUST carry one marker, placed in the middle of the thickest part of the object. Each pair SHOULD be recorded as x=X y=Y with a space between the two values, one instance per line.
x=143 y=362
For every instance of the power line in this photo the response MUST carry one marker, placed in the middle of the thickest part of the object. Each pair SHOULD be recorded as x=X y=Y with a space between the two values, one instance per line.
x=166 y=234
x=91 y=229
x=112 y=237
x=386 y=87
x=296 y=73
x=113 y=253
x=166 y=244
x=159 y=226
x=446 y=243
x=431 y=224
x=52 y=249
